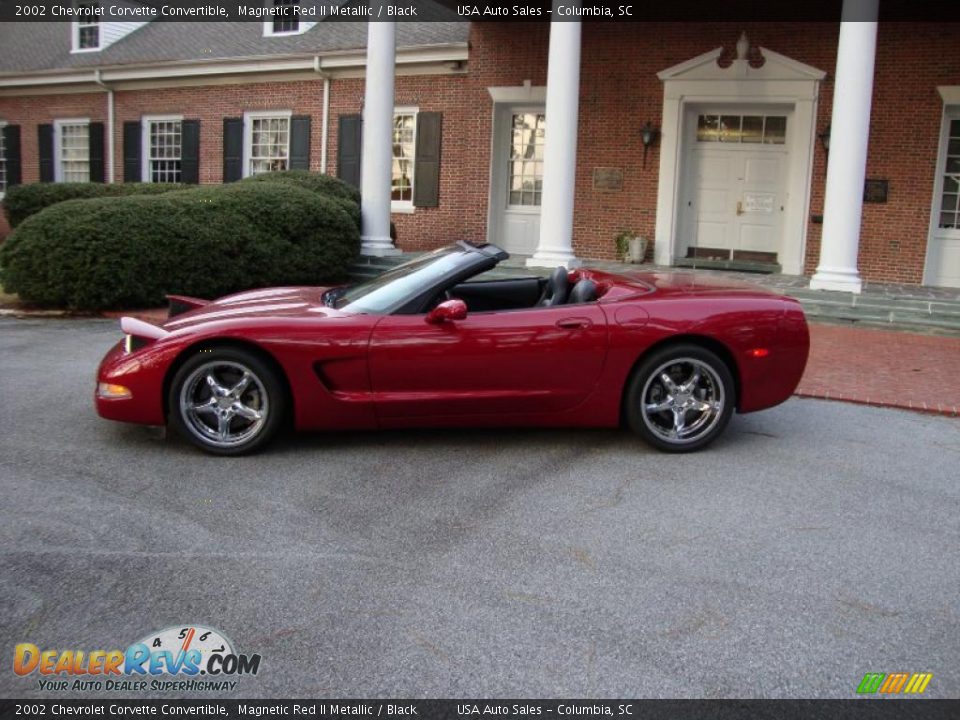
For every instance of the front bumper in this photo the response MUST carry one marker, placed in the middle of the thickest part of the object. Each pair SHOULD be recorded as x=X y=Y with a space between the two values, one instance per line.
x=142 y=373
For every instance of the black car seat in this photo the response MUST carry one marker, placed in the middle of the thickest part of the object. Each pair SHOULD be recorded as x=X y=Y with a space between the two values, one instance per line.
x=556 y=290
x=583 y=292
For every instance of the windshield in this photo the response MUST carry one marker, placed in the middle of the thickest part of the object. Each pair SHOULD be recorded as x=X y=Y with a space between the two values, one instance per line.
x=391 y=290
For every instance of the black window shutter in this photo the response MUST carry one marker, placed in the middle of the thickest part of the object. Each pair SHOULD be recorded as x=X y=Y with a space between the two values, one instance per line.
x=426 y=168
x=132 y=149
x=97 y=173
x=45 y=143
x=349 y=142
x=190 y=152
x=300 y=142
x=232 y=149
x=11 y=146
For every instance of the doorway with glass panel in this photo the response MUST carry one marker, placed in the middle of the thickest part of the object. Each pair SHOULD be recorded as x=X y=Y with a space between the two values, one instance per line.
x=517 y=177
x=734 y=193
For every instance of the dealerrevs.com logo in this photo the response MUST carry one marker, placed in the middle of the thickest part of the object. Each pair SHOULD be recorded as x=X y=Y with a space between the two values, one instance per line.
x=186 y=658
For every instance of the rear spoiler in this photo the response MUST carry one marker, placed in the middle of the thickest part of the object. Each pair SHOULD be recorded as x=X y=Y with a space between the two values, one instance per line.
x=179 y=304
x=139 y=328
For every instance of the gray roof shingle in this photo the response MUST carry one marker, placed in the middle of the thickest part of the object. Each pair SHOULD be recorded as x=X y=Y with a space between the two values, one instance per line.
x=35 y=47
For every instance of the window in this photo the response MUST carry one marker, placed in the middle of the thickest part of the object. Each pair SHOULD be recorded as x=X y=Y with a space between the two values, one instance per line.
x=86 y=30
x=756 y=129
x=950 y=201
x=404 y=153
x=72 y=150
x=267 y=142
x=283 y=22
x=525 y=173
x=162 y=149
x=3 y=160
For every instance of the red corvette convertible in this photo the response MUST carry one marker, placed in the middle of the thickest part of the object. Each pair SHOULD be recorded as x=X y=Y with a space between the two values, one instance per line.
x=430 y=344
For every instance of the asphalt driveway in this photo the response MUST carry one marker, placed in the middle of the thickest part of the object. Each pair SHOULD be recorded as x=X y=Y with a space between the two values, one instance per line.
x=814 y=543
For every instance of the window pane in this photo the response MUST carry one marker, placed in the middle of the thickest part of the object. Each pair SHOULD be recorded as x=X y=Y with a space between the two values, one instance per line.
x=526 y=159
x=948 y=220
x=404 y=129
x=75 y=153
x=730 y=128
x=164 y=152
x=708 y=128
x=955 y=128
x=949 y=202
x=752 y=129
x=269 y=144
x=953 y=165
x=775 y=130
x=951 y=184
x=953 y=148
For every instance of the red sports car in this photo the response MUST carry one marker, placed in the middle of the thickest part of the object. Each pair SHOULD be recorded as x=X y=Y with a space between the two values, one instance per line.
x=431 y=344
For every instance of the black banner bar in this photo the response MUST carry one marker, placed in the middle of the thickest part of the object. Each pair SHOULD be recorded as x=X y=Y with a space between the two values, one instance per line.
x=462 y=11
x=856 y=709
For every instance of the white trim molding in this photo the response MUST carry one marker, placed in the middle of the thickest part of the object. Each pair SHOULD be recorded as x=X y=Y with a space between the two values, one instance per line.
x=58 y=126
x=145 y=159
x=950 y=94
x=406 y=207
x=780 y=82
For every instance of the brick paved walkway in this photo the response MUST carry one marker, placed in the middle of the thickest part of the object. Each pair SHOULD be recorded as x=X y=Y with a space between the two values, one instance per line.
x=880 y=367
x=861 y=365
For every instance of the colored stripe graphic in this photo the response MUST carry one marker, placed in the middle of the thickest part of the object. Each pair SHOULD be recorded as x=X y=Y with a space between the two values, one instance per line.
x=918 y=683
x=871 y=683
x=894 y=683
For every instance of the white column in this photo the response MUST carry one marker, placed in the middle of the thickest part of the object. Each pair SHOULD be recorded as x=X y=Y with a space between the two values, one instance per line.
x=849 y=134
x=377 y=153
x=555 y=247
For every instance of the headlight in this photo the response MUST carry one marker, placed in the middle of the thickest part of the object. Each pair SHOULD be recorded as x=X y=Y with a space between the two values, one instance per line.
x=112 y=391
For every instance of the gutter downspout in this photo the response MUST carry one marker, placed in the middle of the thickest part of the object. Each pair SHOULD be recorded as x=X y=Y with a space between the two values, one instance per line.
x=325 y=121
x=110 y=125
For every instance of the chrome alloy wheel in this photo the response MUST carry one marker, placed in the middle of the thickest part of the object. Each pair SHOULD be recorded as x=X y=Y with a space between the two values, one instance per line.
x=224 y=403
x=683 y=400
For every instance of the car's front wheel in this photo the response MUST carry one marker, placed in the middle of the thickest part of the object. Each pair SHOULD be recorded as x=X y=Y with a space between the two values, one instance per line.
x=226 y=400
x=680 y=398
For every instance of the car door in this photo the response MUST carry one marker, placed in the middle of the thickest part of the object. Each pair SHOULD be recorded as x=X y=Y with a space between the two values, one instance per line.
x=513 y=362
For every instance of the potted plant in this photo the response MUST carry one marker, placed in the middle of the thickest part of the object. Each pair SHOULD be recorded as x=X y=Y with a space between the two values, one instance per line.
x=631 y=248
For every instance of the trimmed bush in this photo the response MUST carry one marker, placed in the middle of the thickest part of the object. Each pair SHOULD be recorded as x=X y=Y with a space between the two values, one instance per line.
x=22 y=201
x=208 y=241
x=319 y=183
x=314 y=182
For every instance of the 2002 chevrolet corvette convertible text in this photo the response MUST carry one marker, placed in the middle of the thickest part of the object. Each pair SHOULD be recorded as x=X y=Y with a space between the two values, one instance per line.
x=430 y=344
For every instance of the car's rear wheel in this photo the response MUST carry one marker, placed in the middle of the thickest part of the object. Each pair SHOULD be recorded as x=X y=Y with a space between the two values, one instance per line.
x=680 y=398
x=227 y=401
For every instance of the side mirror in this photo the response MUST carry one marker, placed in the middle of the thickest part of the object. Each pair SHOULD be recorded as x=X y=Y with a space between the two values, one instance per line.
x=447 y=311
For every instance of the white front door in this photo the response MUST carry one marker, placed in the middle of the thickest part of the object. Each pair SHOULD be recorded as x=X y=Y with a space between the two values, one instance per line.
x=735 y=186
x=943 y=247
x=517 y=178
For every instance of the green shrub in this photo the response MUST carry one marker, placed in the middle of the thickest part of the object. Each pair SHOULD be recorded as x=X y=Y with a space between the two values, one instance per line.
x=205 y=241
x=326 y=185
x=314 y=182
x=22 y=201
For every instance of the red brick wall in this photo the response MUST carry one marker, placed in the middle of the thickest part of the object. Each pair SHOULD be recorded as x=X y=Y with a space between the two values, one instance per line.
x=619 y=93
x=455 y=218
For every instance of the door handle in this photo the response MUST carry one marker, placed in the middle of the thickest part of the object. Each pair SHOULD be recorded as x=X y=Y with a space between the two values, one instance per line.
x=739 y=207
x=574 y=323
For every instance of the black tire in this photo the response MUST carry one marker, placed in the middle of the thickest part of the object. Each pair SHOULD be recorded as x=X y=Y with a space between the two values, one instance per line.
x=653 y=409
x=199 y=409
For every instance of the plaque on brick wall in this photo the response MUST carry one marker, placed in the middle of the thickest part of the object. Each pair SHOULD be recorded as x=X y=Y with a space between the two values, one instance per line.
x=875 y=191
x=607 y=178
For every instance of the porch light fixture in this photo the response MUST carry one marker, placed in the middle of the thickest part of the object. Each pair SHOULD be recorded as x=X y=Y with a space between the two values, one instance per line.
x=825 y=140
x=648 y=136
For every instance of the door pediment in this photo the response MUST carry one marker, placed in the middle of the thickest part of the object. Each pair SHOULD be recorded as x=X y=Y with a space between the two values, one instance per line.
x=775 y=67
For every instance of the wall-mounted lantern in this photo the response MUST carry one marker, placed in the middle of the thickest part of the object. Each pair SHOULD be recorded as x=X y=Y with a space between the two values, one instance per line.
x=648 y=136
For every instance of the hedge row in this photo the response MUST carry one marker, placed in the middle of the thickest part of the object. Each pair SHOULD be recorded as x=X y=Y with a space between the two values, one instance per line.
x=22 y=201
x=130 y=251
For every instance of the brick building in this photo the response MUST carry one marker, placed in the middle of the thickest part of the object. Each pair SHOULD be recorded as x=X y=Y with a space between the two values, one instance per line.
x=459 y=120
